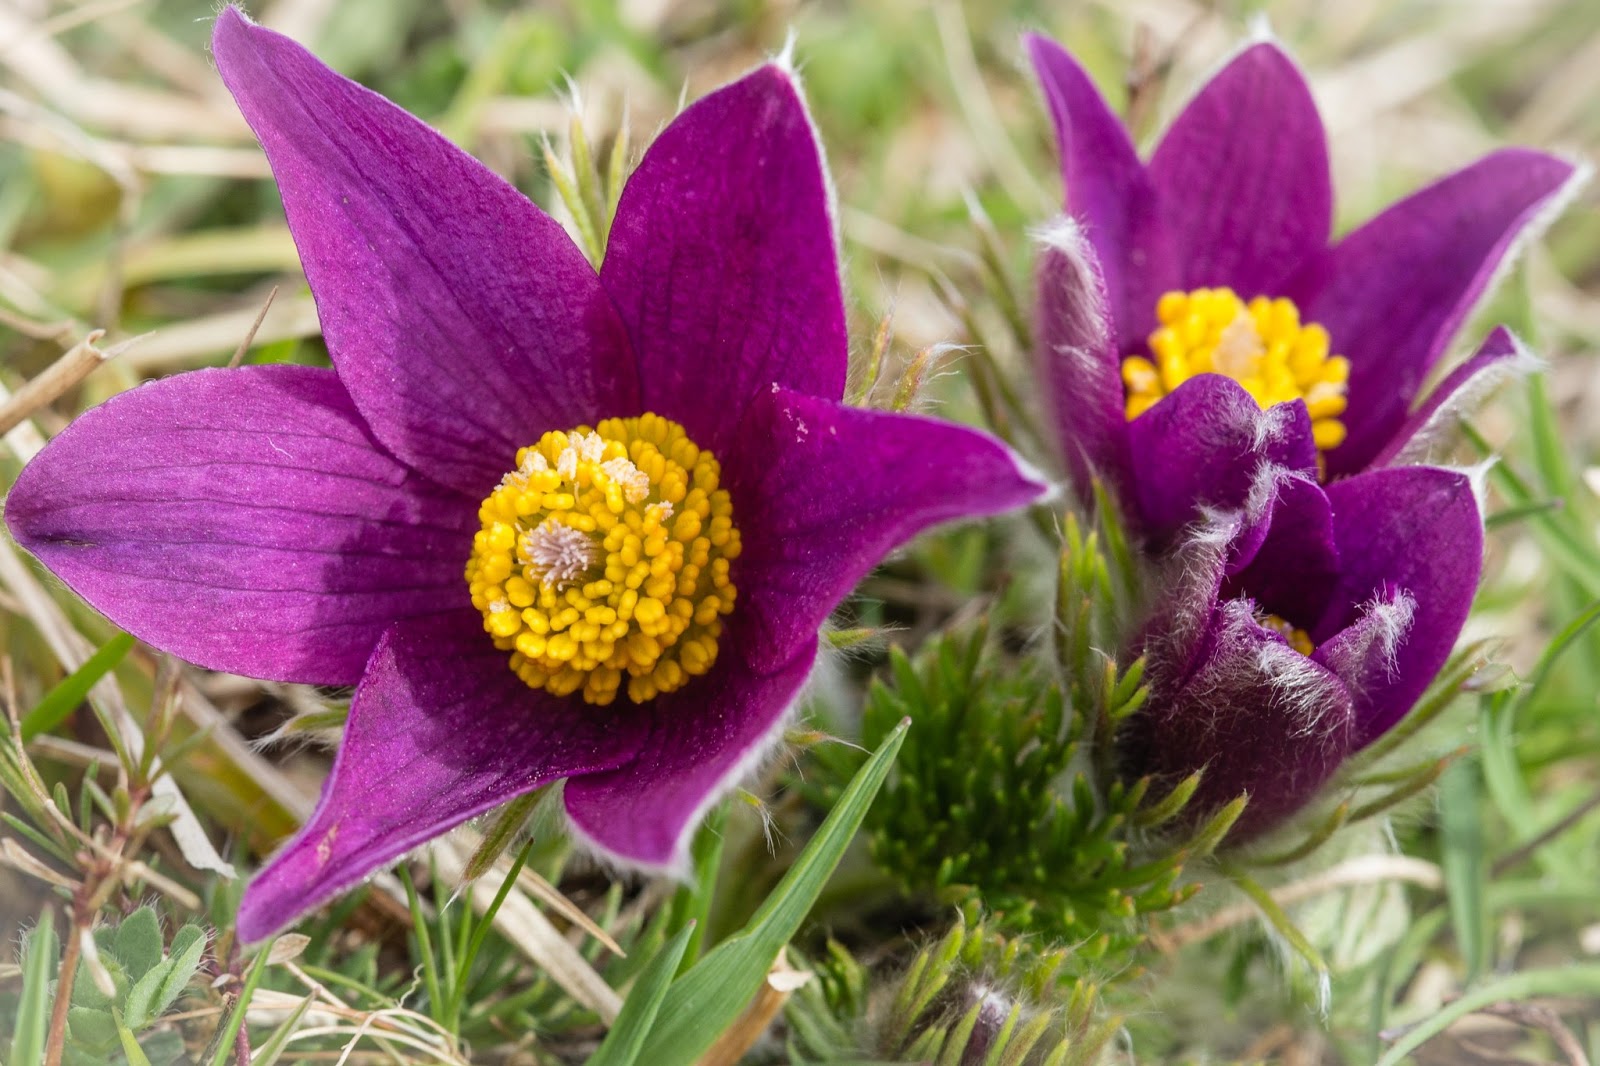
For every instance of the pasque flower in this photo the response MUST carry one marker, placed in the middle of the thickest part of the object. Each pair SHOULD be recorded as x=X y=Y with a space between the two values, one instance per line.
x=1298 y=630
x=1251 y=393
x=1194 y=319
x=551 y=523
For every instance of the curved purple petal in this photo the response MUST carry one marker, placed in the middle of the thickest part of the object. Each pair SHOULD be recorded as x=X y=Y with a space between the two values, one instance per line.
x=722 y=261
x=1363 y=655
x=1108 y=190
x=244 y=520
x=1256 y=715
x=707 y=736
x=462 y=319
x=440 y=730
x=1415 y=530
x=1243 y=177
x=1202 y=446
x=1077 y=354
x=1187 y=583
x=1499 y=358
x=1393 y=293
x=1294 y=571
x=822 y=491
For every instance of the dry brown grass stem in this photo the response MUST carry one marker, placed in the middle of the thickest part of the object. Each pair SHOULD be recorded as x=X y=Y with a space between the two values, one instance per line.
x=199 y=340
x=741 y=1036
x=77 y=363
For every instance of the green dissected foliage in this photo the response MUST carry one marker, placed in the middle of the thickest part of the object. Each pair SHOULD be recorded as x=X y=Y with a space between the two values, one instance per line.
x=975 y=996
x=993 y=802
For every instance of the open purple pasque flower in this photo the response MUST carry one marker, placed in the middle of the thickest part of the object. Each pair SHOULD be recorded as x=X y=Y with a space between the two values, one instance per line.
x=1301 y=629
x=1194 y=320
x=646 y=475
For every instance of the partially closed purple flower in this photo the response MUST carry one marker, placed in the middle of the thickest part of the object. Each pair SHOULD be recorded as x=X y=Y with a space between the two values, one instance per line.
x=1193 y=318
x=1248 y=389
x=551 y=524
x=1299 y=631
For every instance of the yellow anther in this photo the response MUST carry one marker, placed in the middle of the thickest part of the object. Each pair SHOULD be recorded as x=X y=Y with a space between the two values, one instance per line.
x=604 y=557
x=1298 y=638
x=1262 y=345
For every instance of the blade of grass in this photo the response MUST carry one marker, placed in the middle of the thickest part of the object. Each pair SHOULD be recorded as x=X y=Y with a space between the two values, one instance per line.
x=481 y=931
x=252 y=979
x=625 y=1041
x=1464 y=861
x=430 y=966
x=38 y=970
x=1565 y=549
x=707 y=999
x=269 y=1052
x=1563 y=641
x=1574 y=981
x=73 y=689
x=692 y=903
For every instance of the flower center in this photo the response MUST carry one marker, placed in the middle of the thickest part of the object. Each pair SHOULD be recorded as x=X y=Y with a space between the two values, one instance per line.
x=604 y=554
x=1298 y=638
x=1262 y=345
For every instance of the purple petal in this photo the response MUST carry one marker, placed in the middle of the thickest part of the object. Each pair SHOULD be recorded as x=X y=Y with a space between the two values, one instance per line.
x=244 y=520
x=440 y=730
x=1415 y=530
x=1394 y=292
x=1201 y=447
x=822 y=491
x=1243 y=176
x=1293 y=573
x=1363 y=654
x=1078 y=357
x=722 y=260
x=462 y=319
x=1109 y=192
x=1256 y=715
x=1188 y=582
x=707 y=736
x=1499 y=358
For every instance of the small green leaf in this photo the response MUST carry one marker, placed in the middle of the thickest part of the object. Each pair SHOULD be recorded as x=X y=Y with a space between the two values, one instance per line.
x=138 y=943
x=707 y=999
x=156 y=991
x=39 y=954
x=86 y=991
x=1169 y=806
x=92 y=1028
x=626 y=1039
x=139 y=1007
x=188 y=947
x=74 y=688
x=1279 y=920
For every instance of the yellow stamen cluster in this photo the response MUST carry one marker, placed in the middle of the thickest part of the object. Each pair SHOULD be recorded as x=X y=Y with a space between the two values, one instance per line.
x=605 y=554
x=1263 y=346
x=1298 y=639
